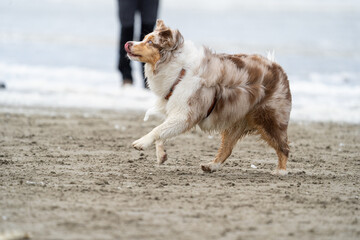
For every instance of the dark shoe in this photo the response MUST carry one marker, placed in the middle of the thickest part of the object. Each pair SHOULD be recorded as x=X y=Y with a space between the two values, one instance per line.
x=127 y=82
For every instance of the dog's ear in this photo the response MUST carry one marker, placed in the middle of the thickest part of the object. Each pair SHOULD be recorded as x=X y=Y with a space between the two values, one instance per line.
x=178 y=39
x=171 y=39
x=166 y=33
x=160 y=24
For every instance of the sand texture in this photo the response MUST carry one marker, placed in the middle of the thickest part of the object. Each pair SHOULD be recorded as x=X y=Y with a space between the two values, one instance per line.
x=72 y=174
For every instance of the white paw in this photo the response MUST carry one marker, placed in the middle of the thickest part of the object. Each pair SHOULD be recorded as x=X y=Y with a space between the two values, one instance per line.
x=280 y=172
x=210 y=167
x=142 y=143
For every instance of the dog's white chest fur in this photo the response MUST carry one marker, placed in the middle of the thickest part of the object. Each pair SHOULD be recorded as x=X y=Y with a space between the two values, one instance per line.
x=160 y=83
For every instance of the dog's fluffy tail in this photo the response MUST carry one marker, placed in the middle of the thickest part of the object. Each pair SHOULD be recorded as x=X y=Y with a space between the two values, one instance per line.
x=271 y=55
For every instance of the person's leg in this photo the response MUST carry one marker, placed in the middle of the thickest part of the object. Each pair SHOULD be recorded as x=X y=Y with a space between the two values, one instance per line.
x=148 y=10
x=124 y=62
x=126 y=13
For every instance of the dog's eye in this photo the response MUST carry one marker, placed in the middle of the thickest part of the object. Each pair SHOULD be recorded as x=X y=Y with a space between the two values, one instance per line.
x=150 y=42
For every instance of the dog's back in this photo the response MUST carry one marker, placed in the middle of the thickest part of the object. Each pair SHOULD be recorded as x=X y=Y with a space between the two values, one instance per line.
x=245 y=84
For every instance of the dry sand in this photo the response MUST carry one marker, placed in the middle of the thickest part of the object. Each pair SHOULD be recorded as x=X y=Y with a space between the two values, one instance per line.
x=72 y=174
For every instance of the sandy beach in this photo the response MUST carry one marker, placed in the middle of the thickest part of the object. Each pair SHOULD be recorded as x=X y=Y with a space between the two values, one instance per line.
x=72 y=174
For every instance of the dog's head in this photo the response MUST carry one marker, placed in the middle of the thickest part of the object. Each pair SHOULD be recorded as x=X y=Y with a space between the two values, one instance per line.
x=157 y=47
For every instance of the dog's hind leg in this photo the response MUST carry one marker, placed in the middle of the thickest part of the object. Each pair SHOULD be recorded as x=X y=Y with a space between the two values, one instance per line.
x=275 y=134
x=278 y=140
x=228 y=140
x=161 y=155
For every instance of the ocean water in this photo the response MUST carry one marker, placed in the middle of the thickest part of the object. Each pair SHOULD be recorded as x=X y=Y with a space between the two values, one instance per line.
x=58 y=53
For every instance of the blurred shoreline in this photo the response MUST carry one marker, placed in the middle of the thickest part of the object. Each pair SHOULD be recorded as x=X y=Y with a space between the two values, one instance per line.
x=324 y=97
x=25 y=110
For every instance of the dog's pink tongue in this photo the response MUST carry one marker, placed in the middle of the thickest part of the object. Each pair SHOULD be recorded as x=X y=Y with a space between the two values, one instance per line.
x=126 y=46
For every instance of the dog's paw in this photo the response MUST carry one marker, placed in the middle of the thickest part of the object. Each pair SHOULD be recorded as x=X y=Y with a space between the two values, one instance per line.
x=161 y=158
x=142 y=143
x=210 y=167
x=137 y=145
x=280 y=172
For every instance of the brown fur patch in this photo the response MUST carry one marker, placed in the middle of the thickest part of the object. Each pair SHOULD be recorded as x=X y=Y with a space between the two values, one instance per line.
x=285 y=81
x=254 y=91
x=274 y=133
x=255 y=75
x=240 y=55
x=270 y=82
x=237 y=61
x=165 y=34
x=198 y=104
x=148 y=54
x=282 y=159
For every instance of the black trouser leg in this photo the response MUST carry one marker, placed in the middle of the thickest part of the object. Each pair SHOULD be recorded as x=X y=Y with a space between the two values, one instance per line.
x=127 y=34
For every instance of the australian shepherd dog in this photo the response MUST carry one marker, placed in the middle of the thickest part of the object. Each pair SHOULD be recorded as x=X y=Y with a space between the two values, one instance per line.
x=233 y=94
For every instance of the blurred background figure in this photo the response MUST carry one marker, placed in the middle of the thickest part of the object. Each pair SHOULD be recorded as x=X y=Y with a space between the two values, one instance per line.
x=2 y=85
x=128 y=9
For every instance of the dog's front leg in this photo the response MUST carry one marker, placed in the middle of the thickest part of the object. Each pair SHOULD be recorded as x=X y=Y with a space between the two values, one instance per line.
x=172 y=127
x=161 y=155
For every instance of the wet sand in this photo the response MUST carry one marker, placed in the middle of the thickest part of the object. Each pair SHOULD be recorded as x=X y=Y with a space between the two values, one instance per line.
x=72 y=174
